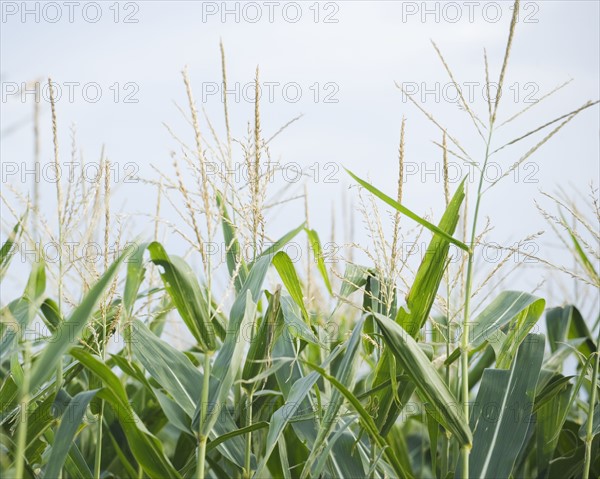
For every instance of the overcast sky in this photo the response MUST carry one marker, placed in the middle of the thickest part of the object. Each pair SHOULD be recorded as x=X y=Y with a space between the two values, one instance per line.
x=118 y=67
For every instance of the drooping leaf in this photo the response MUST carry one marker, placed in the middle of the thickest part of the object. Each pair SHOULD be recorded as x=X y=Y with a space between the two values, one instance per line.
x=355 y=277
x=402 y=209
x=183 y=288
x=567 y=323
x=508 y=305
x=429 y=384
x=284 y=266
x=146 y=448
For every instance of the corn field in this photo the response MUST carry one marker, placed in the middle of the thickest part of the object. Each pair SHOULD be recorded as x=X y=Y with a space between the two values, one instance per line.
x=258 y=365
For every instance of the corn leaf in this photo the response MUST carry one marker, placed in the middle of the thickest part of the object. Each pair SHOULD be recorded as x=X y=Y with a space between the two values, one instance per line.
x=183 y=288
x=520 y=309
x=429 y=384
x=70 y=331
x=69 y=426
x=402 y=209
x=502 y=412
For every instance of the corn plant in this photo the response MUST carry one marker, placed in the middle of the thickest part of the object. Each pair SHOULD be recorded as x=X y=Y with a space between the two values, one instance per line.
x=374 y=371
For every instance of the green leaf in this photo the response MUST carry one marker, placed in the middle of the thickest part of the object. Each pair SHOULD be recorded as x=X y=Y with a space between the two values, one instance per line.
x=174 y=413
x=146 y=448
x=517 y=332
x=238 y=432
x=567 y=323
x=69 y=425
x=315 y=244
x=501 y=415
x=355 y=277
x=135 y=275
x=183 y=288
x=413 y=316
x=18 y=314
x=284 y=415
x=394 y=204
x=218 y=395
x=345 y=375
x=70 y=331
x=284 y=266
x=235 y=261
x=277 y=245
x=171 y=368
x=421 y=296
x=174 y=371
x=433 y=430
x=549 y=421
x=51 y=314
x=6 y=252
x=549 y=385
x=507 y=306
x=261 y=345
x=429 y=384
x=248 y=295
x=366 y=421
x=295 y=325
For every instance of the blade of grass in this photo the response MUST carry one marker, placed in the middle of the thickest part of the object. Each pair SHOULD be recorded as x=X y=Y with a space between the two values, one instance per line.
x=402 y=209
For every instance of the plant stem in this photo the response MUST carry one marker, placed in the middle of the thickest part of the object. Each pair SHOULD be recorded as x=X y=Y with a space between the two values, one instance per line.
x=446 y=438
x=248 y=436
x=22 y=432
x=590 y=420
x=464 y=348
x=98 y=455
x=203 y=410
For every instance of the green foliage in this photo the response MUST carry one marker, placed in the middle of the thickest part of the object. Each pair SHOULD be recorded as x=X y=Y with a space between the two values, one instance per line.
x=282 y=376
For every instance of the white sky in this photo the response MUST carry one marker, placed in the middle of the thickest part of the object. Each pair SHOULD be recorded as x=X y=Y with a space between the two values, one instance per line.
x=356 y=60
